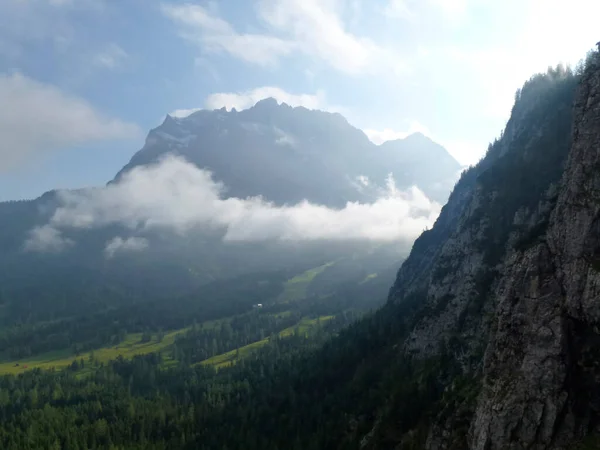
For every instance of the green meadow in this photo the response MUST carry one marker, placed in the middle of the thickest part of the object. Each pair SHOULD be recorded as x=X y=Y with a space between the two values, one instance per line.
x=231 y=357
x=295 y=288
x=133 y=346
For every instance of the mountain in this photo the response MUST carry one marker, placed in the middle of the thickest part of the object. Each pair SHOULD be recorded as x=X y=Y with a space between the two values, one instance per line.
x=422 y=162
x=288 y=155
x=104 y=252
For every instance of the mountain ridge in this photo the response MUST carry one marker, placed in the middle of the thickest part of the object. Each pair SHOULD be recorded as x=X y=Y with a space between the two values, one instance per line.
x=315 y=155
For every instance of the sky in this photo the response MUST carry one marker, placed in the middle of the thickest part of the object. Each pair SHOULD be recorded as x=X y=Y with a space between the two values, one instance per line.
x=83 y=81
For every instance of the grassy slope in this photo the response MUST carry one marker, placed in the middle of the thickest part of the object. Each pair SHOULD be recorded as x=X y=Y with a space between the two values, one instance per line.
x=295 y=288
x=58 y=360
x=132 y=346
x=368 y=277
x=229 y=358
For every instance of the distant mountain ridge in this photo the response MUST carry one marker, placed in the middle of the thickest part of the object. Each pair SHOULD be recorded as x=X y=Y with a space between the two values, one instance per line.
x=289 y=154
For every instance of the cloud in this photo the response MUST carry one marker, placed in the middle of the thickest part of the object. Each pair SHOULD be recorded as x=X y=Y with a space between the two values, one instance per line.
x=363 y=180
x=110 y=57
x=131 y=244
x=42 y=118
x=318 y=29
x=412 y=10
x=387 y=134
x=285 y=139
x=46 y=239
x=399 y=9
x=246 y=99
x=215 y=35
x=174 y=195
x=181 y=113
x=311 y=27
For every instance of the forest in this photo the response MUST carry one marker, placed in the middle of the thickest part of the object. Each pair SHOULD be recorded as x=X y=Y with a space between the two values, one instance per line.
x=142 y=375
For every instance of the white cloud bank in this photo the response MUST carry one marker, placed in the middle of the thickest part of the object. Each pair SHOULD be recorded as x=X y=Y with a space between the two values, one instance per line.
x=177 y=196
x=39 y=118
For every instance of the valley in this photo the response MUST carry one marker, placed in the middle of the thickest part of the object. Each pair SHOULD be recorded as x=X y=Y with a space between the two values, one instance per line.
x=288 y=312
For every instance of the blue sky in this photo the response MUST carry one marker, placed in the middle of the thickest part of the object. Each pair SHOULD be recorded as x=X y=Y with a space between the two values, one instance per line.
x=82 y=81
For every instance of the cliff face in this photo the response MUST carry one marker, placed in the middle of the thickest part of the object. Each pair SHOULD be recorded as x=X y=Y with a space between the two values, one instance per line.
x=541 y=371
x=508 y=280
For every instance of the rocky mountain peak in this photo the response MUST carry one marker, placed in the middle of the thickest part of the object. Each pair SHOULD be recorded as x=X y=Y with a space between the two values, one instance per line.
x=268 y=103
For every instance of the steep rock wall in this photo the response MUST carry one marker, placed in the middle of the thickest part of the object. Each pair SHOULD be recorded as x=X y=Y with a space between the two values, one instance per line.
x=508 y=280
x=542 y=372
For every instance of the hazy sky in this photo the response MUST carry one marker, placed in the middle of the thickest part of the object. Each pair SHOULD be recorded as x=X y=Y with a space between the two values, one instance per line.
x=82 y=81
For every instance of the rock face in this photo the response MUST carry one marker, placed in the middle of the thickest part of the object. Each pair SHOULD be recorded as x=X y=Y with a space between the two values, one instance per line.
x=508 y=280
x=542 y=378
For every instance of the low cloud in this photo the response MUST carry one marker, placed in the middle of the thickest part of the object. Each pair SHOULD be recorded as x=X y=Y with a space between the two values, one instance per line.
x=41 y=118
x=118 y=244
x=174 y=195
x=285 y=139
x=46 y=239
